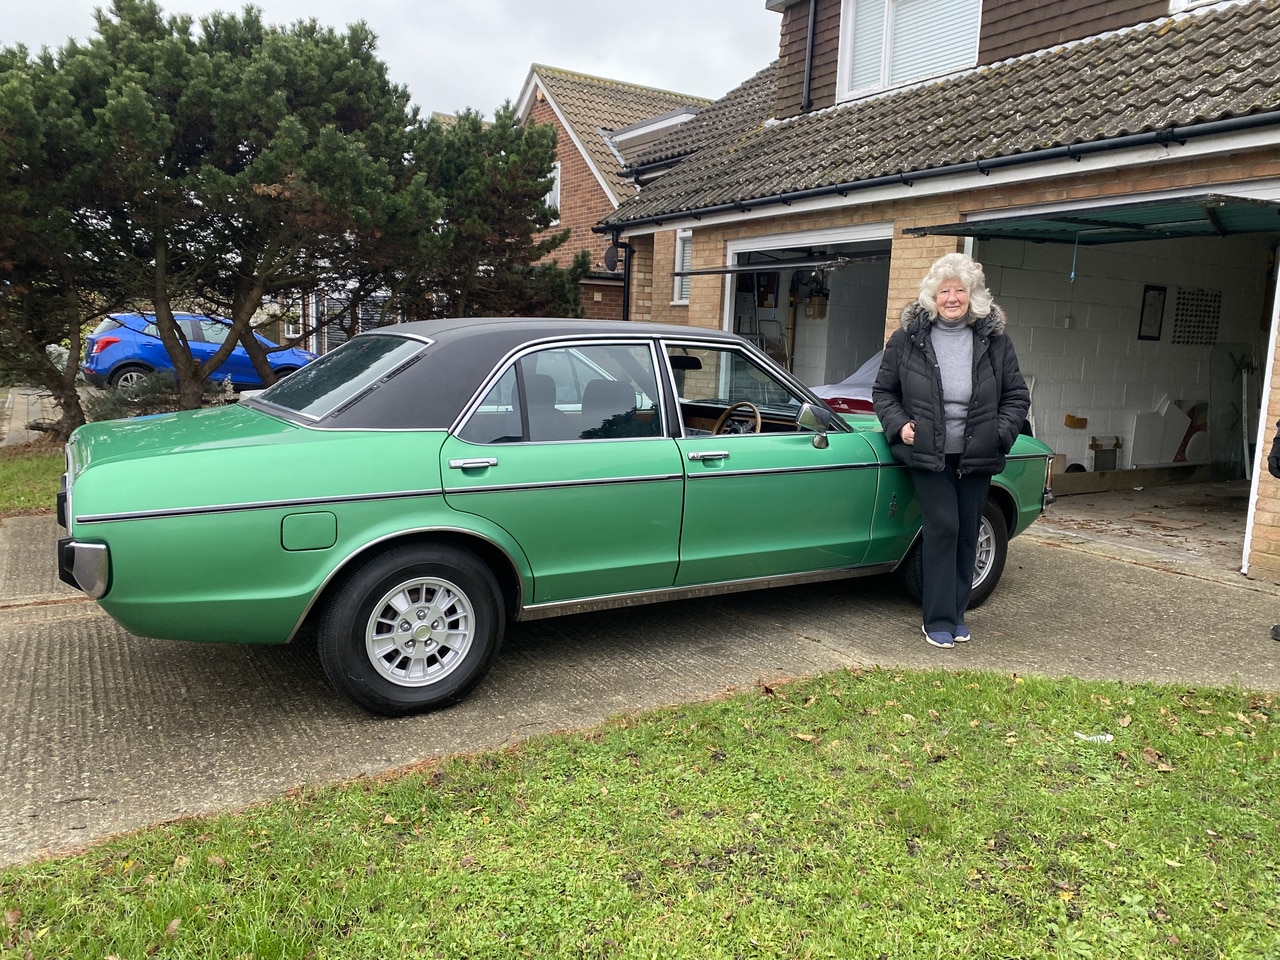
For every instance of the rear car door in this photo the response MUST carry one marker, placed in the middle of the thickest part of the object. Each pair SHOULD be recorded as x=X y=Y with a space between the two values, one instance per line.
x=765 y=503
x=566 y=450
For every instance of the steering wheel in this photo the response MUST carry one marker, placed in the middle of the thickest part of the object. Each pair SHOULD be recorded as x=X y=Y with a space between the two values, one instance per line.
x=723 y=420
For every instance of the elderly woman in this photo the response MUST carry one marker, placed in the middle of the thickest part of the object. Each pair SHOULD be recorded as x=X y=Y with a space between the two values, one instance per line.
x=951 y=400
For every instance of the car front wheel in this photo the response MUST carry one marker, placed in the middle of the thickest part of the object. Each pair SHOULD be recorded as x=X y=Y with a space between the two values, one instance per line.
x=411 y=629
x=993 y=548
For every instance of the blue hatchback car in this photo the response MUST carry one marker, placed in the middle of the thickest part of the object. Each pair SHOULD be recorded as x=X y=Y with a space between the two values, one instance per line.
x=125 y=348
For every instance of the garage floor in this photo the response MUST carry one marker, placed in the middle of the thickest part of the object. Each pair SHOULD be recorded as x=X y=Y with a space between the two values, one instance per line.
x=1196 y=522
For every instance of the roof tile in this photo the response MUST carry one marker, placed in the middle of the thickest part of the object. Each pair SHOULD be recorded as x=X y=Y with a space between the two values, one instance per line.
x=1179 y=71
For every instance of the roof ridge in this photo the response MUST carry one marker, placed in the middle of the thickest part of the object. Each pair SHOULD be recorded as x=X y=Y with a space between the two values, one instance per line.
x=543 y=69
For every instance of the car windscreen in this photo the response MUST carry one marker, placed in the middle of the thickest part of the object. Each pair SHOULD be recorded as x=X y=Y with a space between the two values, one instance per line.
x=326 y=384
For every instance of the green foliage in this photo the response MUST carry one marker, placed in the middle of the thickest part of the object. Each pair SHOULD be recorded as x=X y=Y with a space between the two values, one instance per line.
x=861 y=814
x=163 y=165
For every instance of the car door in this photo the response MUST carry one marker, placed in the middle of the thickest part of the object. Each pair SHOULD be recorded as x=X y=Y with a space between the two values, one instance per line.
x=237 y=365
x=577 y=469
x=760 y=504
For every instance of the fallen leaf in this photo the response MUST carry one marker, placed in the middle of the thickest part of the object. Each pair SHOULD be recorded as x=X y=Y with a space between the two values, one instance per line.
x=1126 y=720
x=171 y=930
x=1173 y=863
x=806 y=737
x=12 y=917
x=389 y=819
x=215 y=861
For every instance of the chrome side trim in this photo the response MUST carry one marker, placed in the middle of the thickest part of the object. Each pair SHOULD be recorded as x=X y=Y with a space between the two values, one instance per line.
x=618 y=600
x=562 y=484
x=255 y=505
x=782 y=471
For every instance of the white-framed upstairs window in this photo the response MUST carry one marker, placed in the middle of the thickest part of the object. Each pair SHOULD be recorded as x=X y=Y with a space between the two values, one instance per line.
x=891 y=43
x=552 y=199
x=684 y=263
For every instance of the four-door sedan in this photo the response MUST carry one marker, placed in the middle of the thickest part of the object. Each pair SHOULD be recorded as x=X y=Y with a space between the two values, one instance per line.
x=125 y=348
x=412 y=491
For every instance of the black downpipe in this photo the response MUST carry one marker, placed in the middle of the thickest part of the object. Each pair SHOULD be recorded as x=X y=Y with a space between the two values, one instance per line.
x=806 y=101
x=1070 y=152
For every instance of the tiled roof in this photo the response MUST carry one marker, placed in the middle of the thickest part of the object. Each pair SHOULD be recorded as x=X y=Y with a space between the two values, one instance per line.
x=1175 y=72
x=742 y=109
x=592 y=107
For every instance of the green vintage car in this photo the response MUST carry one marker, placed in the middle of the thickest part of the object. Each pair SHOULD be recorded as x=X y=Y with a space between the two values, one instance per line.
x=406 y=495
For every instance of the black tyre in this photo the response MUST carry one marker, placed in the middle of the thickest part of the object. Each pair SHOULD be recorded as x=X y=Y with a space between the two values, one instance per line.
x=411 y=629
x=993 y=548
x=129 y=379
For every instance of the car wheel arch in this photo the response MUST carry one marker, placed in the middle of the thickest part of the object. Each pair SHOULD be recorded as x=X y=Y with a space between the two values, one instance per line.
x=499 y=562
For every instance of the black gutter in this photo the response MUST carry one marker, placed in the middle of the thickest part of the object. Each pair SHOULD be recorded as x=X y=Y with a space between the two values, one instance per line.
x=1070 y=152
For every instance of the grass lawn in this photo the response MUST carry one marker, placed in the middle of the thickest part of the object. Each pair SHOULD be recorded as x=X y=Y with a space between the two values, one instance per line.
x=29 y=475
x=860 y=814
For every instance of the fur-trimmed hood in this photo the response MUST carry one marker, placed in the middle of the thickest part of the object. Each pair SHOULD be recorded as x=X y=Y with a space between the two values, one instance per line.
x=915 y=317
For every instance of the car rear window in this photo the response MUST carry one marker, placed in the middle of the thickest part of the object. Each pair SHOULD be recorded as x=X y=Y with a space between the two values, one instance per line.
x=326 y=384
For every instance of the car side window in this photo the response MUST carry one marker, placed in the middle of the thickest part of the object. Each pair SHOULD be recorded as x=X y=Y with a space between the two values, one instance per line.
x=499 y=417
x=583 y=392
x=211 y=331
x=710 y=380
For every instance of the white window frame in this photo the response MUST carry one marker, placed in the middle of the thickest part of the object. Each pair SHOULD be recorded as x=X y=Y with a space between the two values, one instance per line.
x=552 y=199
x=683 y=262
x=948 y=51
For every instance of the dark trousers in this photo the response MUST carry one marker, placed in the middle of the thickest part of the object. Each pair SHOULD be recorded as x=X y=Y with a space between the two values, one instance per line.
x=951 y=511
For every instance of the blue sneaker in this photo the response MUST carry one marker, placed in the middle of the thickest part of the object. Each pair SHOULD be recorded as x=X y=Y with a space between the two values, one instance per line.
x=962 y=634
x=939 y=638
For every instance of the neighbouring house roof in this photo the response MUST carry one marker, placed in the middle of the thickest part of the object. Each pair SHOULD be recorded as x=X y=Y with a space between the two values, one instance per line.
x=1168 y=75
x=592 y=109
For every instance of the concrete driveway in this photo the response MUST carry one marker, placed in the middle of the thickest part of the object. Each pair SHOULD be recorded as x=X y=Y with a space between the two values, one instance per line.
x=106 y=732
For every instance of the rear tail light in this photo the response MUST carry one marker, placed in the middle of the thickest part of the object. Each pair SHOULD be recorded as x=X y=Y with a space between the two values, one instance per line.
x=105 y=342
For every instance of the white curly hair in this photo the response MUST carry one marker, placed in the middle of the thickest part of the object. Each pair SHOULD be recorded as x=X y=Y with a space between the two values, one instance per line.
x=956 y=266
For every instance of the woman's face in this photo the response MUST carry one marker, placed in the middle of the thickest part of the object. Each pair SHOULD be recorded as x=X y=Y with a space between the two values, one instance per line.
x=952 y=299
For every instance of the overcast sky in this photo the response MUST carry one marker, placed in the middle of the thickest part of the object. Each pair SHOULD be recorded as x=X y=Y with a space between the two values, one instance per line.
x=454 y=54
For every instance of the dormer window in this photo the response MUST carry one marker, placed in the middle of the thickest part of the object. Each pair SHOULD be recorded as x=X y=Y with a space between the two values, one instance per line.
x=891 y=43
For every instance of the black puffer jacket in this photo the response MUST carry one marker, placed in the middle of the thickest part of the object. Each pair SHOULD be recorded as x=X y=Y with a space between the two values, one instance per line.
x=909 y=387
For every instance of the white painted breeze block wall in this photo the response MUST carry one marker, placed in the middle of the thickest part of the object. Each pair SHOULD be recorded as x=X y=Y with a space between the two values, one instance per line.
x=1079 y=339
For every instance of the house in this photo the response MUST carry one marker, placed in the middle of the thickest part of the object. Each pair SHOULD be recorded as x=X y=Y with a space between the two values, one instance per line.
x=602 y=125
x=1114 y=164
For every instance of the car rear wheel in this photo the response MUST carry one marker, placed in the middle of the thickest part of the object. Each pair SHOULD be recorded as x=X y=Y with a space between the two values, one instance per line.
x=993 y=548
x=129 y=379
x=411 y=629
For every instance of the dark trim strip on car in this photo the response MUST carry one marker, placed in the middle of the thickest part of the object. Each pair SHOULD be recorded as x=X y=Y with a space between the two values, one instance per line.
x=259 y=505
x=779 y=471
x=562 y=484
x=719 y=588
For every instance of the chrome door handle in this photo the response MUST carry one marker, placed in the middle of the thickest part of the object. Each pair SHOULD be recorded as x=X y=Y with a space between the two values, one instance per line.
x=709 y=455
x=473 y=463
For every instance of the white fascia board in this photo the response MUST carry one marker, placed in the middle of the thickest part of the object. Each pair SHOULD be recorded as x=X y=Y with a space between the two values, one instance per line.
x=1030 y=172
x=524 y=103
x=582 y=151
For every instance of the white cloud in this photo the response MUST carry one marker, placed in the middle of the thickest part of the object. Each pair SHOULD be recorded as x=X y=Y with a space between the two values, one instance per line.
x=453 y=54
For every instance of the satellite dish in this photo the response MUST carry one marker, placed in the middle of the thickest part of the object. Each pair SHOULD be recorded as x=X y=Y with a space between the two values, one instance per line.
x=611 y=258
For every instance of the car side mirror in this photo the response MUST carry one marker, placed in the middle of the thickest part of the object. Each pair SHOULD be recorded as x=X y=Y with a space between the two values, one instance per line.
x=811 y=418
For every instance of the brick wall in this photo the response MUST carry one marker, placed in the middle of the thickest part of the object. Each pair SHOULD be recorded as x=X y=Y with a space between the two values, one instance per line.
x=583 y=202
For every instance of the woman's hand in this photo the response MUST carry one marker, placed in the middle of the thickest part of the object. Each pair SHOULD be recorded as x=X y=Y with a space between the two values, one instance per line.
x=908 y=432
